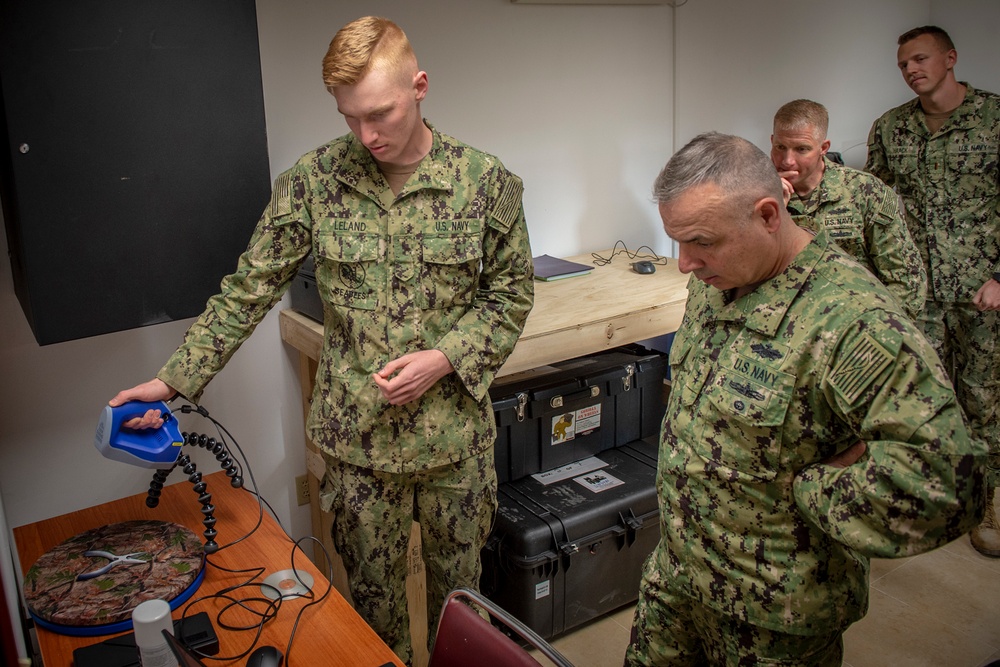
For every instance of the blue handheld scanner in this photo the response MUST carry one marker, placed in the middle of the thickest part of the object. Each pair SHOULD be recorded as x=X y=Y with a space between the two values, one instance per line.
x=146 y=448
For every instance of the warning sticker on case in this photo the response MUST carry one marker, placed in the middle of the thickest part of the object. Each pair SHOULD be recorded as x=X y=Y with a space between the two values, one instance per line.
x=598 y=481
x=568 y=425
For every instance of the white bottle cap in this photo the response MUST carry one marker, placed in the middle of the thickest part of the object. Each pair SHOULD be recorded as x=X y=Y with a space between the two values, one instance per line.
x=149 y=620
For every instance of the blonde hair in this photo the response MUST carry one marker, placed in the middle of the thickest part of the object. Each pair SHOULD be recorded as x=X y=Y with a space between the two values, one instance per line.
x=365 y=44
x=799 y=113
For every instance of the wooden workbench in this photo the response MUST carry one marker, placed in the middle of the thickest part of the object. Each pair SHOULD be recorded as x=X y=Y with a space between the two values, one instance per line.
x=572 y=317
x=331 y=633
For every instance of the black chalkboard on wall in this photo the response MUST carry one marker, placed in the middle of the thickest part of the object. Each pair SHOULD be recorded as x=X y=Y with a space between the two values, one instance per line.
x=136 y=160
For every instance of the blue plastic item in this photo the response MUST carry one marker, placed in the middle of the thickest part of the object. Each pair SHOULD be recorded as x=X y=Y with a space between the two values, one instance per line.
x=146 y=448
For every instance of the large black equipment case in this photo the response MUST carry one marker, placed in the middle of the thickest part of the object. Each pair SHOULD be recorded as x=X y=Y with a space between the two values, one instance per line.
x=304 y=293
x=553 y=415
x=564 y=553
x=647 y=449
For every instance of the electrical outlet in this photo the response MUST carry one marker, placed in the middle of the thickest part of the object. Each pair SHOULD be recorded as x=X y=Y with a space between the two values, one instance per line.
x=302 y=489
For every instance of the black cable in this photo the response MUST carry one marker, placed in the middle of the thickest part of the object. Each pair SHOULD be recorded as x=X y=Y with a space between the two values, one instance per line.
x=271 y=606
x=313 y=599
x=235 y=479
x=654 y=258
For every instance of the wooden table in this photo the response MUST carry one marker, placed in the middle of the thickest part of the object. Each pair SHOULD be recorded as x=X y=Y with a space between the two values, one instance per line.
x=330 y=633
x=572 y=317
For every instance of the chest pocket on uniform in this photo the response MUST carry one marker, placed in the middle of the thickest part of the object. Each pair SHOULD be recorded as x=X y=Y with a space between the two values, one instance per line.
x=686 y=376
x=347 y=267
x=903 y=163
x=974 y=168
x=743 y=411
x=449 y=270
x=903 y=160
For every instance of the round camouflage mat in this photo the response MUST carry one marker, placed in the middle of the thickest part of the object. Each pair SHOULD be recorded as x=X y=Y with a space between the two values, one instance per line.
x=98 y=577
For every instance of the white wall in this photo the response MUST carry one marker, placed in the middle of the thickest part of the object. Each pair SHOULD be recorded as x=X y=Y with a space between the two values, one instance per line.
x=578 y=100
x=734 y=74
x=972 y=26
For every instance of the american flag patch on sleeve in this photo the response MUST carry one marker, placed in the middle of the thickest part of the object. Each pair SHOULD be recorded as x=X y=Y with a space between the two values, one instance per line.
x=281 y=197
x=508 y=204
x=859 y=367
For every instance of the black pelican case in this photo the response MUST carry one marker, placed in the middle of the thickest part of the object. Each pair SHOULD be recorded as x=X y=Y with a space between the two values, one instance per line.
x=553 y=415
x=563 y=553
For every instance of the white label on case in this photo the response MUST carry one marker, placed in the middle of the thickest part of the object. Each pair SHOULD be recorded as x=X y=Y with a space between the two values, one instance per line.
x=598 y=481
x=542 y=589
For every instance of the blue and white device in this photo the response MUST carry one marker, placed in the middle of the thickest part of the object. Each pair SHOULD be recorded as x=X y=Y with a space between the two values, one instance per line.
x=146 y=448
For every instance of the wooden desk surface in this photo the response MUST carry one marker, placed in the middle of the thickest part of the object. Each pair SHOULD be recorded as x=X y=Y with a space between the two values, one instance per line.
x=572 y=317
x=330 y=633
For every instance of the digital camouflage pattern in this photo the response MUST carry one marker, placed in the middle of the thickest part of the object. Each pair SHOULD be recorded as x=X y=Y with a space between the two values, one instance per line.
x=977 y=384
x=861 y=214
x=372 y=513
x=950 y=185
x=446 y=264
x=662 y=604
x=764 y=388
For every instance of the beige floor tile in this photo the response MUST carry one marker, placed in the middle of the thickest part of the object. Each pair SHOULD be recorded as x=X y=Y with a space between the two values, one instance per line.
x=600 y=643
x=895 y=633
x=623 y=616
x=963 y=547
x=883 y=566
x=952 y=589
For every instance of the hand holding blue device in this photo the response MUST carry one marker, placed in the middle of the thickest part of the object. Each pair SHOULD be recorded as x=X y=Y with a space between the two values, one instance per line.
x=146 y=448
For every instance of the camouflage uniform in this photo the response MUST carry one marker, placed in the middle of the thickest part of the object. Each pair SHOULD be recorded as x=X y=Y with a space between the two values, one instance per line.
x=446 y=265
x=755 y=528
x=950 y=185
x=862 y=215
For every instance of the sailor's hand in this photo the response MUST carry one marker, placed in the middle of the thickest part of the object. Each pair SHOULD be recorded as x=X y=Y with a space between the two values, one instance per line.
x=406 y=379
x=154 y=390
x=988 y=296
x=786 y=185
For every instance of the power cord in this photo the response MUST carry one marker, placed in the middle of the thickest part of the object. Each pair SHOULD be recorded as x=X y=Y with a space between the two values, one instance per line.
x=265 y=608
x=620 y=248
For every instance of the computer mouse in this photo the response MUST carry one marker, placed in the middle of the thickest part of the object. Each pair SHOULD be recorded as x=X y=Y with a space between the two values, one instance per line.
x=643 y=267
x=265 y=656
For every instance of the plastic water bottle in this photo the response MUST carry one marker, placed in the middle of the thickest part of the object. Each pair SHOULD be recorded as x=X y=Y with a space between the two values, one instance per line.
x=149 y=620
